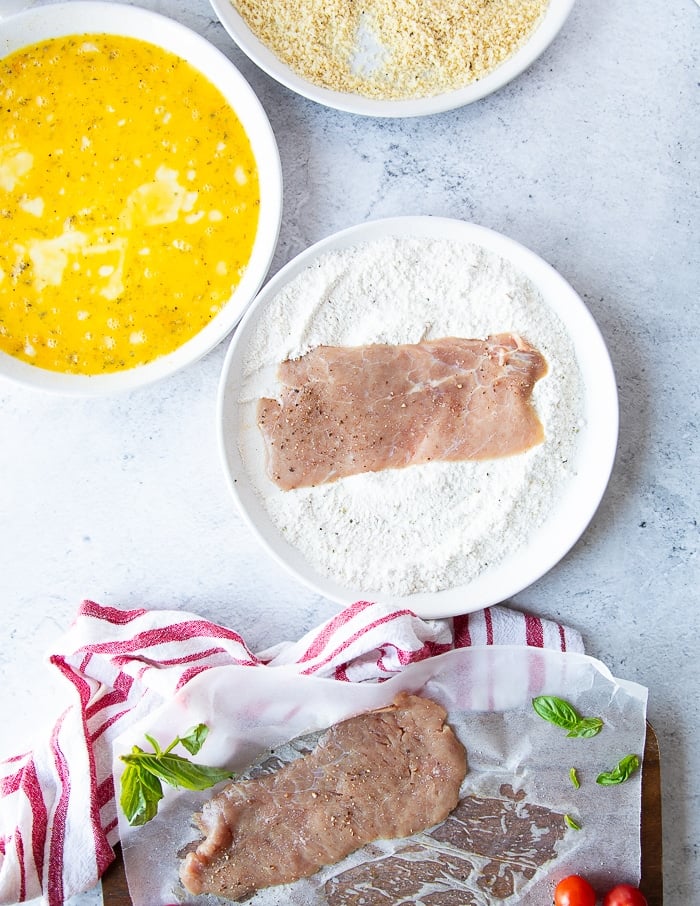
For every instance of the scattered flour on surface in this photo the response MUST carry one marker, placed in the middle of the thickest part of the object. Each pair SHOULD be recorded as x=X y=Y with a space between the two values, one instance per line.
x=428 y=527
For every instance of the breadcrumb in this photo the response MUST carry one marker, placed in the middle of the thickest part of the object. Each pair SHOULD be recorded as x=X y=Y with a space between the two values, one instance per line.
x=392 y=49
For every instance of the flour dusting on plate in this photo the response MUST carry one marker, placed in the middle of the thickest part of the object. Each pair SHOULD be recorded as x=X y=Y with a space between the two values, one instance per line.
x=428 y=527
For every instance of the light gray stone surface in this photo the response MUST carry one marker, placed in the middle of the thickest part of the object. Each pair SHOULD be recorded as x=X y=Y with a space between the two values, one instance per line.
x=590 y=159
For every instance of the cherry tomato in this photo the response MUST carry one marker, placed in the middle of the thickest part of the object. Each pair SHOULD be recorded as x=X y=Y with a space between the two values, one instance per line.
x=574 y=891
x=624 y=895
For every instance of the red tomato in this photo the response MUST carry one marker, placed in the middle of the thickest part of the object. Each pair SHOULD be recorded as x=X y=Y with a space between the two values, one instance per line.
x=574 y=891
x=624 y=895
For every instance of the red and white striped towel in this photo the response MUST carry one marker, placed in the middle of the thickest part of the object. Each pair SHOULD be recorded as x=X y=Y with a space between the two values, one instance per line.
x=58 y=817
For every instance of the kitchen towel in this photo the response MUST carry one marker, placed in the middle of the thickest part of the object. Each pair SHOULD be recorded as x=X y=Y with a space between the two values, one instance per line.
x=58 y=812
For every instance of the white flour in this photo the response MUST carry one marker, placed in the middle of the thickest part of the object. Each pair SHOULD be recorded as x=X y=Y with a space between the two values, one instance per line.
x=428 y=527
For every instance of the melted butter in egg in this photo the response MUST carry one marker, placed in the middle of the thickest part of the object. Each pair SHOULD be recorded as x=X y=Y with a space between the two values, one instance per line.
x=129 y=202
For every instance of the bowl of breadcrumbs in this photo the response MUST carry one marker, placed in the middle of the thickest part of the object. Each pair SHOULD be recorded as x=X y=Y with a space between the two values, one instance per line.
x=393 y=58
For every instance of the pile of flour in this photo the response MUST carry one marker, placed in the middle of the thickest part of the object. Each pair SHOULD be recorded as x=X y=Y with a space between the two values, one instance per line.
x=430 y=527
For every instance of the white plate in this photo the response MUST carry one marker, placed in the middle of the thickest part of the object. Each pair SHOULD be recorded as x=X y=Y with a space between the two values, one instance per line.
x=86 y=16
x=552 y=22
x=595 y=449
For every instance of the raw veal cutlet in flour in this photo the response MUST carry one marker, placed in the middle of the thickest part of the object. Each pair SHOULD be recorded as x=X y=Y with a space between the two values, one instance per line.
x=345 y=411
x=381 y=775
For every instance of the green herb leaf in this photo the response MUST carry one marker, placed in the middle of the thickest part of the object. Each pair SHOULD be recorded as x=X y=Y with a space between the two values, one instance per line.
x=194 y=739
x=179 y=772
x=141 y=787
x=572 y=823
x=562 y=714
x=586 y=728
x=556 y=711
x=140 y=794
x=154 y=742
x=573 y=776
x=622 y=771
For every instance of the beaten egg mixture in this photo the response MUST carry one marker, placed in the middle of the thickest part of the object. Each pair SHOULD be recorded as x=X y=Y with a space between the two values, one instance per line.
x=129 y=203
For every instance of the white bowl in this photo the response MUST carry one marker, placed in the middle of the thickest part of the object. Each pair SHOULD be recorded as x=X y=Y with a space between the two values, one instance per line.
x=552 y=22
x=85 y=16
x=570 y=513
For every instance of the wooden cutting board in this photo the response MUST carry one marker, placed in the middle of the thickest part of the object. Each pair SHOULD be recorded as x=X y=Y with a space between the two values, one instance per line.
x=116 y=892
x=652 y=882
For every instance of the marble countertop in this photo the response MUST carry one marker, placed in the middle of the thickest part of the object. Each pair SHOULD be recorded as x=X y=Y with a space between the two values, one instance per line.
x=590 y=159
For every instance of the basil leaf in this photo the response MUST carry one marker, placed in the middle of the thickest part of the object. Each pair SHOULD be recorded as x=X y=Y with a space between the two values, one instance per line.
x=572 y=823
x=562 y=714
x=141 y=788
x=154 y=742
x=194 y=739
x=622 y=771
x=586 y=728
x=556 y=711
x=140 y=794
x=573 y=776
x=180 y=772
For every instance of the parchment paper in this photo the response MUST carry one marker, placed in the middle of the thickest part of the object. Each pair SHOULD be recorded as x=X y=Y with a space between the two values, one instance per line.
x=518 y=768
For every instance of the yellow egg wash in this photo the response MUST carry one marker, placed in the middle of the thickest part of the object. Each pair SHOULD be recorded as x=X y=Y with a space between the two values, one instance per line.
x=129 y=202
